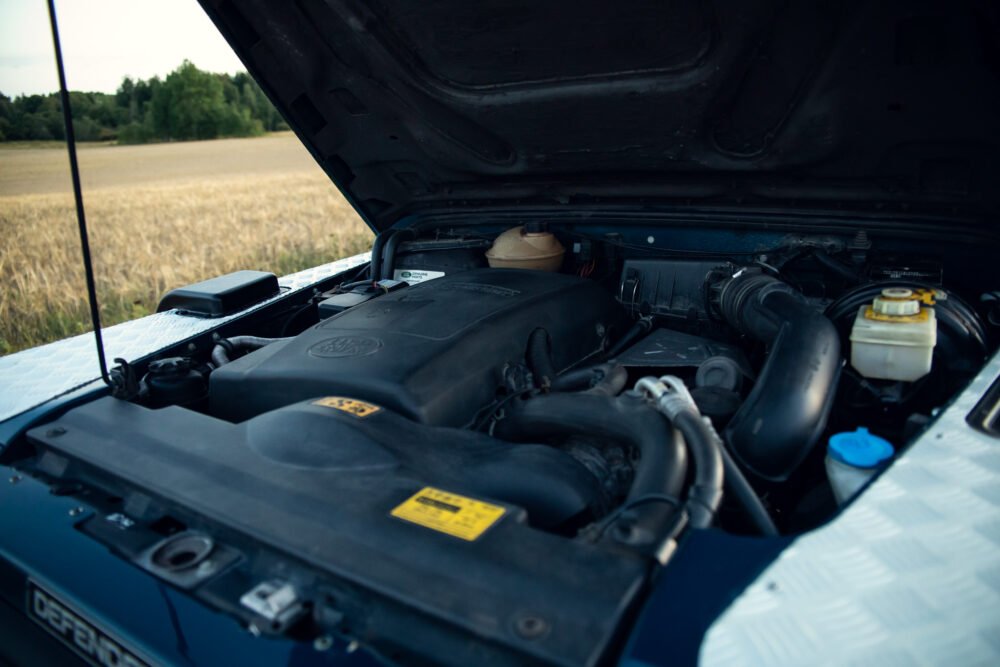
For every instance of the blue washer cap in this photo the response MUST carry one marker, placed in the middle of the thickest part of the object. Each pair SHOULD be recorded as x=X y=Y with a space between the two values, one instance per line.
x=860 y=448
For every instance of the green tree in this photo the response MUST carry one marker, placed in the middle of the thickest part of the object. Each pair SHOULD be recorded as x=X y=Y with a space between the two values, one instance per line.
x=188 y=104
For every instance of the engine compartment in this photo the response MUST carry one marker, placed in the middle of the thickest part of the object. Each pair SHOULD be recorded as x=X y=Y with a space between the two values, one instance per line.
x=511 y=452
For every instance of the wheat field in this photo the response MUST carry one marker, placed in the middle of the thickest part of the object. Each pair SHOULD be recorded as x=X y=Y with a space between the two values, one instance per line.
x=159 y=217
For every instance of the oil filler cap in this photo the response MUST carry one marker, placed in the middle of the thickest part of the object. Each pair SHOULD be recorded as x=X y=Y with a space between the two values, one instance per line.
x=860 y=448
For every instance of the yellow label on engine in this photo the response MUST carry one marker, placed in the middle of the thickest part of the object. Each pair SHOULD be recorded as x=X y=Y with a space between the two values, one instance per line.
x=449 y=513
x=349 y=405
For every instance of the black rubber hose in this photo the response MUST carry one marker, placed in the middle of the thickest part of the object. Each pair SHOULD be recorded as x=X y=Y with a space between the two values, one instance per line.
x=738 y=486
x=662 y=465
x=347 y=287
x=785 y=414
x=602 y=379
x=705 y=448
x=220 y=353
x=389 y=254
x=539 y=357
x=837 y=267
x=375 y=266
x=638 y=330
x=580 y=378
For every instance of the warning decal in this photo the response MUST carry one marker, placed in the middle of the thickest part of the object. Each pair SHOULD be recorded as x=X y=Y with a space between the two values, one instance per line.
x=449 y=513
x=349 y=405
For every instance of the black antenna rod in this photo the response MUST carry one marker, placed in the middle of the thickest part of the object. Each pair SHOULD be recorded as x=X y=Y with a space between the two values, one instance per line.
x=88 y=268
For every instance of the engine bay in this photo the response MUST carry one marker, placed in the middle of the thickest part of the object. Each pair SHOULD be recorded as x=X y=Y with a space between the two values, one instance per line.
x=509 y=432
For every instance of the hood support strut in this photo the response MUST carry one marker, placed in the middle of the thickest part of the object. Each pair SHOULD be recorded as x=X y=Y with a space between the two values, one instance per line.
x=88 y=268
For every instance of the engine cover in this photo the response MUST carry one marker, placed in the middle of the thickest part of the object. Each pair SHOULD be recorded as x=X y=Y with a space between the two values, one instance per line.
x=434 y=352
x=323 y=483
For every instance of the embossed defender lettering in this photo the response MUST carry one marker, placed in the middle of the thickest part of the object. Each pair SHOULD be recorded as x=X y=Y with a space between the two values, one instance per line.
x=85 y=638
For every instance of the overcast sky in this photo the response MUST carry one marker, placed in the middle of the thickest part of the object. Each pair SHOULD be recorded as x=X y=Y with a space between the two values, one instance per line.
x=103 y=41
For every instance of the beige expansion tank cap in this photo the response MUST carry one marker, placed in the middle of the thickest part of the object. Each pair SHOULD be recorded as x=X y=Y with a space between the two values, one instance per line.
x=527 y=247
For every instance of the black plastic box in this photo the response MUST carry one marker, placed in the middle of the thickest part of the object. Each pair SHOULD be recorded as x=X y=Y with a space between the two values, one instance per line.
x=223 y=295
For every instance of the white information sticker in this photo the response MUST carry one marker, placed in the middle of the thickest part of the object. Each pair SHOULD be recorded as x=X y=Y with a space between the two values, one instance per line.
x=413 y=277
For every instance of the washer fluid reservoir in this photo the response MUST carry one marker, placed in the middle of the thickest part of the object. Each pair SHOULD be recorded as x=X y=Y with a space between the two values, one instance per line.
x=852 y=459
x=893 y=338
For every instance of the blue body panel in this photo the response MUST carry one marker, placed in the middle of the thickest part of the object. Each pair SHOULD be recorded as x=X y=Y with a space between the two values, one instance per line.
x=702 y=579
x=162 y=624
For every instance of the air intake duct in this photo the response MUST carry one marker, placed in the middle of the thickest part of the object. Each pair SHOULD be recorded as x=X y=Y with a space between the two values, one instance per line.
x=787 y=410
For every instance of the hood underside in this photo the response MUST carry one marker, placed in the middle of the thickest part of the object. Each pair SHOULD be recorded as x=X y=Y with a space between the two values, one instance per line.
x=447 y=103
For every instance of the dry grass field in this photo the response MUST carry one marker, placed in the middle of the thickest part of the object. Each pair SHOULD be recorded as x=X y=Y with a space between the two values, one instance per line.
x=159 y=216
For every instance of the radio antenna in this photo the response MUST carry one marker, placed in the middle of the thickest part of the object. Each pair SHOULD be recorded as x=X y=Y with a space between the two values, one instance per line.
x=88 y=268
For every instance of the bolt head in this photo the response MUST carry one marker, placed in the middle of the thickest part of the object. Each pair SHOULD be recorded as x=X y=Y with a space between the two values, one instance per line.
x=531 y=627
x=323 y=643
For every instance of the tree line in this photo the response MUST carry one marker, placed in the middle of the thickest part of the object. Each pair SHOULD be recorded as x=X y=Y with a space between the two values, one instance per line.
x=187 y=104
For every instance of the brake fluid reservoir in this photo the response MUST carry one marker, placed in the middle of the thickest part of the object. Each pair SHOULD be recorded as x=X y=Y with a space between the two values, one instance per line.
x=893 y=338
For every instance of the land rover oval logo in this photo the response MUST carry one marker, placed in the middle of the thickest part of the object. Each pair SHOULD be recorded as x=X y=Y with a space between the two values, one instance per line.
x=345 y=346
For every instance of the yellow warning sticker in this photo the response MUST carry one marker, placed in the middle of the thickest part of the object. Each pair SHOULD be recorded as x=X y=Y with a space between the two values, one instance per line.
x=353 y=406
x=449 y=513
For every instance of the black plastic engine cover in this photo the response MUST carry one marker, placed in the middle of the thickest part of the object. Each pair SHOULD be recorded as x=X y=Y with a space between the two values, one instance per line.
x=434 y=352
x=320 y=483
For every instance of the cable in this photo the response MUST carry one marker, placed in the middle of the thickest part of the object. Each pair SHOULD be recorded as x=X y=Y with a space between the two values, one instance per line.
x=480 y=422
x=294 y=316
x=738 y=485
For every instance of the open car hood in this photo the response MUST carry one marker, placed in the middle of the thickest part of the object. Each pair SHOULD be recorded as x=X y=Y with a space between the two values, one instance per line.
x=448 y=103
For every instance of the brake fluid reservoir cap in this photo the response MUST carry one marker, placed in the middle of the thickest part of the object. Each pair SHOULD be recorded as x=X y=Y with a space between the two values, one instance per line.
x=860 y=448
x=897 y=302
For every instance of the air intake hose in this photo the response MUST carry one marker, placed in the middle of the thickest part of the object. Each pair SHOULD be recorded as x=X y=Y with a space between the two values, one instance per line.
x=225 y=346
x=662 y=465
x=787 y=410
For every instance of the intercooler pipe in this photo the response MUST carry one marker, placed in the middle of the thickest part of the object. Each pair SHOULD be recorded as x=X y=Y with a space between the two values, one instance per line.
x=222 y=349
x=787 y=410
x=662 y=467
